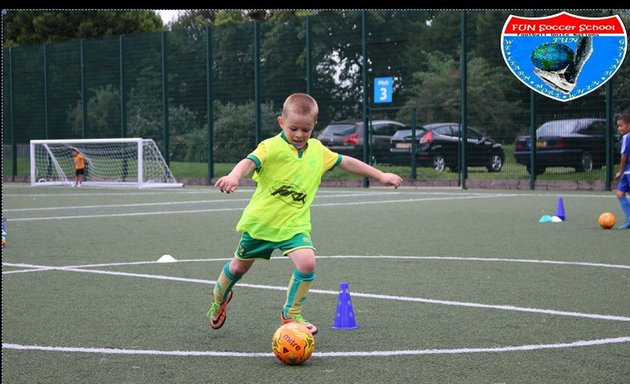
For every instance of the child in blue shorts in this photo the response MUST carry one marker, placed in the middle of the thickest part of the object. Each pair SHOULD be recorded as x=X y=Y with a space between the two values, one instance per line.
x=623 y=127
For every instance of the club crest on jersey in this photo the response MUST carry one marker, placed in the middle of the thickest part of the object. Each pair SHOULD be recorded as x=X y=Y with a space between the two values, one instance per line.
x=563 y=56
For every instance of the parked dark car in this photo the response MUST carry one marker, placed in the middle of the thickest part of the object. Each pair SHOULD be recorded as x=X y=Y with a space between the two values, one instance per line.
x=437 y=146
x=574 y=143
x=346 y=138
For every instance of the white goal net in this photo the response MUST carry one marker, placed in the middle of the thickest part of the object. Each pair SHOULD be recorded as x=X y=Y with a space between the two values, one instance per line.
x=132 y=162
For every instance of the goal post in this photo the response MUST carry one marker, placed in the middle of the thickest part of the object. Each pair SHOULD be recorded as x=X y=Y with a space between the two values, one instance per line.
x=131 y=162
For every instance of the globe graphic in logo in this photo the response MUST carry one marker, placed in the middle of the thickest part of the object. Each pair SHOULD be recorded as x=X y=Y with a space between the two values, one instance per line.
x=552 y=56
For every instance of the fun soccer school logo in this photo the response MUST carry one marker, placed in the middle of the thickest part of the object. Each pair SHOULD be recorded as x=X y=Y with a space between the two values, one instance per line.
x=564 y=56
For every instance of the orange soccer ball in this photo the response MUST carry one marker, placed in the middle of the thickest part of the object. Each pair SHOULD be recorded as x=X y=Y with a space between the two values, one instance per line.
x=293 y=343
x=606 y=220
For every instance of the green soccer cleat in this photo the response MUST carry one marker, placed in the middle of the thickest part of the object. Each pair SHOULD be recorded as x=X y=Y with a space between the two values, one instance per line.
x=217 y=314
x=298 y=319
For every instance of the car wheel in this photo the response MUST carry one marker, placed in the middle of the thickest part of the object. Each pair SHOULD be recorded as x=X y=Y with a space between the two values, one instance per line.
x=439 y=163
x=586 y=163
x=496 y=163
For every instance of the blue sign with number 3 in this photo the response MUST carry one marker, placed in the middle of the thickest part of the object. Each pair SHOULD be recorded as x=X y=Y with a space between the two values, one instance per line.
x=383 y=89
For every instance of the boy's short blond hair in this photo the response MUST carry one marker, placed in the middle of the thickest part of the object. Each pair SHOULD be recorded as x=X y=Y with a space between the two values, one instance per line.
x=301 y=103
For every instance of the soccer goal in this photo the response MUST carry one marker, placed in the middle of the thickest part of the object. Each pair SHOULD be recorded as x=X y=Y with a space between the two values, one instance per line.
x=132 y=162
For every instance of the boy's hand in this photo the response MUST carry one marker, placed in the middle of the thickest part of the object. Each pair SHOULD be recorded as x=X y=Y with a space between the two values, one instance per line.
x=227 y=184
x=230 y=182
x=390 y=179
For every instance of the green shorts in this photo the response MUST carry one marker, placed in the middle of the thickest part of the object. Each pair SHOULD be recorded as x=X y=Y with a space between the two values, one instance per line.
x=250 y=248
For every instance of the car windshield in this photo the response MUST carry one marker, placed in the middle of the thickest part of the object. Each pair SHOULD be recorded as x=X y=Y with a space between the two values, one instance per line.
x=339 y=129
x=556 y=128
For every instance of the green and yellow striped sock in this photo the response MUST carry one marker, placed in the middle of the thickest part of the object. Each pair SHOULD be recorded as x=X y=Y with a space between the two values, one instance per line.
x=224 y=284
x=299 y=285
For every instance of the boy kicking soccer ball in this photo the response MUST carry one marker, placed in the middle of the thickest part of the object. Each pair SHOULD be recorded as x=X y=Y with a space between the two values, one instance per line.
x=288 y=170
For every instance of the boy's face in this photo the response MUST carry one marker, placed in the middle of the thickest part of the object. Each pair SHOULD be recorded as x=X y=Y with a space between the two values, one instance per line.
x=297 y=128
x=622 y=127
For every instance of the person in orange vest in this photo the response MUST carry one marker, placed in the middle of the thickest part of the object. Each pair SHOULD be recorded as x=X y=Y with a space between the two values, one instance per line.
x=79 y=167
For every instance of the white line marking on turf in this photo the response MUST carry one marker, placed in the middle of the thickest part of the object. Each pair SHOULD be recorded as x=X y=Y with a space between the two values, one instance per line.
x=118 y=351
x=491 y=259
x=182 y=202
x=32 y=268
x=406 y=200
x=126 y=205
x=101 y=265
x=327 y=292
x=455 y=195
x=127 y=214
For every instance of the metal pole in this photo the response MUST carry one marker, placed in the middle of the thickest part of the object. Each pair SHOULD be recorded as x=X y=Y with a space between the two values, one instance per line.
x=414 y=145
x=532 y=137
x=121 y=98
x=209 y=102
x=366 y=129
x=11 y=97
x=257 y=79
x=123 y=101
x=464 y=125
x=46 y=117
x=609 y=132
x=83 y=94
x=308 y=55
x=165 y=99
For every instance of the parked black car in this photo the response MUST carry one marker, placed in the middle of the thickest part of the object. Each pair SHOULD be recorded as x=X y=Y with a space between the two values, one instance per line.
x=346 y=138
x=437 y=146
x=574 y=143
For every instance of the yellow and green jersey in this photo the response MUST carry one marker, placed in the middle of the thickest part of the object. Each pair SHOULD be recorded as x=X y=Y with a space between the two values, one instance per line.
x=287 y=181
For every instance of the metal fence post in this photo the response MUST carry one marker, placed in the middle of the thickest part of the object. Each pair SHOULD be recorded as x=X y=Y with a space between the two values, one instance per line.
x=209 y=102
x=165 y=132
x=46 y=117
x=464 y=120
x=257 y=79
x=366 y=129
x=308 y=56
x=121 y=75
x=84 y=106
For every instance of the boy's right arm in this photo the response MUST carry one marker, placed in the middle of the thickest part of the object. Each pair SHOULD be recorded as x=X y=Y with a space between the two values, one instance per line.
x=230 y=182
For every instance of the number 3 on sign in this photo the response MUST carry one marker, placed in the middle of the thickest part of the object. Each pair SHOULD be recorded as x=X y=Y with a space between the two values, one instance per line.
x=384 y=94
x=383 y=89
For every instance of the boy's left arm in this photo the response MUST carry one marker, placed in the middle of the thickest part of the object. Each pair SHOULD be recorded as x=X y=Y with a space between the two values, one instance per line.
x=352 y=165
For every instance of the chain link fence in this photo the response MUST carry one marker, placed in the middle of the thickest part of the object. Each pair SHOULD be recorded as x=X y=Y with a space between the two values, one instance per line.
x=206 y=96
